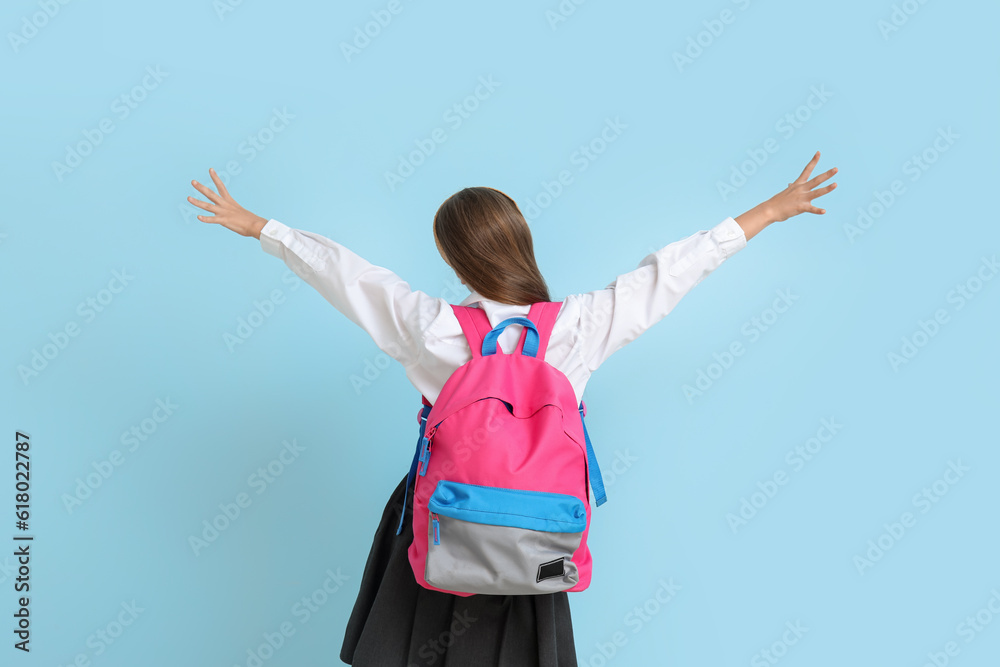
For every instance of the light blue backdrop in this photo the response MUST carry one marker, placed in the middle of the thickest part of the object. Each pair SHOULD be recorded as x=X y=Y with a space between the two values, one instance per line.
x=719 y=106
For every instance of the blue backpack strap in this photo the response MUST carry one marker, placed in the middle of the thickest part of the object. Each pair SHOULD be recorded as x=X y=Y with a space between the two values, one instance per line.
x=596 y=479
x=416 y=458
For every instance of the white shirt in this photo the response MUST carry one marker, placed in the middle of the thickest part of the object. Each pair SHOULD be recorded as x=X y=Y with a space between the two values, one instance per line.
x=422 y=333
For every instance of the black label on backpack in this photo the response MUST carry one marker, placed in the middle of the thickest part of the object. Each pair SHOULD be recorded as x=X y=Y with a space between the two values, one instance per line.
x=554 y=568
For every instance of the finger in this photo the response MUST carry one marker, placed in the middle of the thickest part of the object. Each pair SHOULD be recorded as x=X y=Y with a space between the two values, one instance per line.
x=207 y=191
x=200 y=204
x=822 y=177
x=822 y=191
x=216 y=219
x=813 y=209
x=808 y=170
x=218 y=183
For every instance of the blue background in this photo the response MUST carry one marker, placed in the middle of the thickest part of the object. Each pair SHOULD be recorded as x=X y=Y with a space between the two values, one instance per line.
x=887 y=95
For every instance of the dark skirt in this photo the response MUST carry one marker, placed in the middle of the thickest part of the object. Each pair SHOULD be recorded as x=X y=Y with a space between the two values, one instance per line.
x=396 y=622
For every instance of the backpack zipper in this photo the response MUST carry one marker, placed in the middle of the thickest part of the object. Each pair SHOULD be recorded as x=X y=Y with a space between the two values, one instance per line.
x=425 y=450
x=437 y=528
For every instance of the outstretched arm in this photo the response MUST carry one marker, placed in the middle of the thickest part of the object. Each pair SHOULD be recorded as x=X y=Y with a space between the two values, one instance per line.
x=373 y=297
x=635 y=301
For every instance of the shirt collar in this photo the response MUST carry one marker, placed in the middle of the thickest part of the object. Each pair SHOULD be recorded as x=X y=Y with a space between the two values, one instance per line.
x=474 y=297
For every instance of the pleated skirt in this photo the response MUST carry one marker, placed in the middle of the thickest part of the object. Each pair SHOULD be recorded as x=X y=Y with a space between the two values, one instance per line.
x=396 y=622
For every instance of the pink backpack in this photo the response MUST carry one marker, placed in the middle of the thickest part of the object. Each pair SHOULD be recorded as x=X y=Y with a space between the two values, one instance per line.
x=501 y=504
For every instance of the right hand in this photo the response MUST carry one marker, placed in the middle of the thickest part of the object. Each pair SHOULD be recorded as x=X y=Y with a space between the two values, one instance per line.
x=227 y=212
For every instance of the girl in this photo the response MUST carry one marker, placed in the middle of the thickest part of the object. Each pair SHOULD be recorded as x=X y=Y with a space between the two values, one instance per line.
x=483 y=237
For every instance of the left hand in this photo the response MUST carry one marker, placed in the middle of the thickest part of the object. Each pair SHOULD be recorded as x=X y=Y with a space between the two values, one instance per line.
x=797 y=197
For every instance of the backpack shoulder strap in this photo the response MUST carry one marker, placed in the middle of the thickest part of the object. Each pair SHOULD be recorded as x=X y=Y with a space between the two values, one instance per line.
x=475 y=326
x=543 y=314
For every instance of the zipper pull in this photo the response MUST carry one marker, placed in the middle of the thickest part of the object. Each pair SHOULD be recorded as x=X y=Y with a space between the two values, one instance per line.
x=425 y=451
x=425 y=455
x=437 y=529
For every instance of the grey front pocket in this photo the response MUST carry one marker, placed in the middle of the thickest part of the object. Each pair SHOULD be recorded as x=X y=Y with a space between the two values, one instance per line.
x=498 y=541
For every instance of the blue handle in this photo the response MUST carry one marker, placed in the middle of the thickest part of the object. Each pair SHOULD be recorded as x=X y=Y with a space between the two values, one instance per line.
x=530 y=342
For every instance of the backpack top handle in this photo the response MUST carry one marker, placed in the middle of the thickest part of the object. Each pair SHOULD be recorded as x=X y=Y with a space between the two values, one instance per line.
x=477 y=328
x=530 y=345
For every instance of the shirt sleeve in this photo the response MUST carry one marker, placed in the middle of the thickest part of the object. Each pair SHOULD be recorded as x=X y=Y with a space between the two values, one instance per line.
x=373 y=297
x=615 y=316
